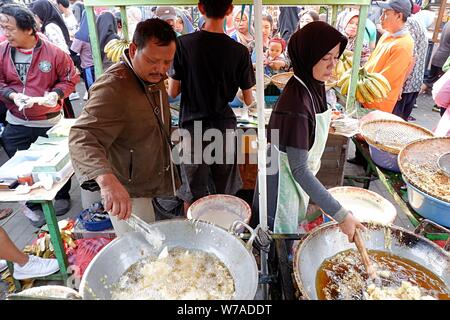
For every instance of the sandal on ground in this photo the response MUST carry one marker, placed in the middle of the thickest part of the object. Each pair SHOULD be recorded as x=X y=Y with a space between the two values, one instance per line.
x=6 y=212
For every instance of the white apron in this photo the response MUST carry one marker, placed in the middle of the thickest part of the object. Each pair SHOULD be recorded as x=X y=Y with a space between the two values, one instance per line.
x=292 y=199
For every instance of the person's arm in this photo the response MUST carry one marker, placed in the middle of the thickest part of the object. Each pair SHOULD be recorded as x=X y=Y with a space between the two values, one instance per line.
x=247 y=97
x=174 y=88
x=298 y=162
x=247 y=78
x=98 y=126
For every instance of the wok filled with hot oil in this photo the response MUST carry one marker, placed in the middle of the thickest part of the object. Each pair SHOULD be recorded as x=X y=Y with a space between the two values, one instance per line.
x=327 y=266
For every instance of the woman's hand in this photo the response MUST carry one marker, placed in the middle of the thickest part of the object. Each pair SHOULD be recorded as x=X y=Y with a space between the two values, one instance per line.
x=349 y=225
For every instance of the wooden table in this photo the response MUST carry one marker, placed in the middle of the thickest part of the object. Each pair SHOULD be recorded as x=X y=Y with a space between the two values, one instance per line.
x=45 y=198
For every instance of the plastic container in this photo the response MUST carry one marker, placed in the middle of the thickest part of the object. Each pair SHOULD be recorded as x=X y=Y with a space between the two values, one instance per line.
x=221 y=210
x=384 y=159
x=93 y=225
x=429 y=207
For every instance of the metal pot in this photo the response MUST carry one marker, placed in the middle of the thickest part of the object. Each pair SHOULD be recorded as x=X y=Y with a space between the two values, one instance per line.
x=116 y=257
x=327 y=240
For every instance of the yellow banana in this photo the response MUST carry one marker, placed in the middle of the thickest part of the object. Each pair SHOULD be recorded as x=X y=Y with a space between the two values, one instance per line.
x=359 y=97
x=109 y=54
x=343 y=78
x=373 y=89
x=379 y=85
x=110 y=44
x=382 y=80
x=345 y=86
x=367 y=97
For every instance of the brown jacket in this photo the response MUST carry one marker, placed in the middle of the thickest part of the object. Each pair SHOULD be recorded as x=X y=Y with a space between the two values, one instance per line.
x=117 y=132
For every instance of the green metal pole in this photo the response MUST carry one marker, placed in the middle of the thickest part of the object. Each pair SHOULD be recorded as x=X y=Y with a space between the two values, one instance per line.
x=95 y=45
x=334 y=14
x=55 y=237
x=123 y=16
x=351 y=101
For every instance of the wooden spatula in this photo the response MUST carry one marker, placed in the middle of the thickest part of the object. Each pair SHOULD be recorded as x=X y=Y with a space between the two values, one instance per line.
x=364 y=255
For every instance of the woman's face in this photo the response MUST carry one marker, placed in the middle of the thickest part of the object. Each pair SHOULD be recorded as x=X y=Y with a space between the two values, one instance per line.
x=266 y=29
x=305 y=19
x=322 y=70
x=179 y=26
x=241 y=24
x=352 y=27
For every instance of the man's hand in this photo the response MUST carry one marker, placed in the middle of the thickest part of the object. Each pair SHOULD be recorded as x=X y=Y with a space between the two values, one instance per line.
x=21 y=101
x=50 y=100
x=116 y=199
x=349 y=225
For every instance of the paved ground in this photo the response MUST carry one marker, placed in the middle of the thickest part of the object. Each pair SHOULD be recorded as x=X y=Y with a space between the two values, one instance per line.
x=22 y=232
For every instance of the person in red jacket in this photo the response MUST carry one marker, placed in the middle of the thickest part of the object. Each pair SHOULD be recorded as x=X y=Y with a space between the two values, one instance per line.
x=32 y=67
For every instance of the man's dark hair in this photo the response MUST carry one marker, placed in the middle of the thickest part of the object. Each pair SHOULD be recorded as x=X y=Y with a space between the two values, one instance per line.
x=153 y=29
x=24 y=17
x=64 y=3
x=216 y=8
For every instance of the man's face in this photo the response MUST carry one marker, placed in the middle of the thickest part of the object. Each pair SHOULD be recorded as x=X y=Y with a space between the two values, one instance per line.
x=275 y=49
x=16 y=37
x=389 y=19
x=153 y=61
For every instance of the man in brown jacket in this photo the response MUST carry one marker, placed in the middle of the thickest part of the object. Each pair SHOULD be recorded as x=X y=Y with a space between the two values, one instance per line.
x=118 y=143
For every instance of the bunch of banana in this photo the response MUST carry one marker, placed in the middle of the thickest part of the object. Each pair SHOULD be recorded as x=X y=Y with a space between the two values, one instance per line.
x=371 y=87
x=344 y=63
x=115 y=48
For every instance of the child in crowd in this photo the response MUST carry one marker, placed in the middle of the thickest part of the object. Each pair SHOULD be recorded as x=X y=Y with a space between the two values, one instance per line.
x=275 y=59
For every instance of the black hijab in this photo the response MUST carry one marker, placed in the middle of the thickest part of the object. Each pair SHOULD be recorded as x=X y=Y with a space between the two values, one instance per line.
x=47 y=13
x=294 y=113
x=106 y=30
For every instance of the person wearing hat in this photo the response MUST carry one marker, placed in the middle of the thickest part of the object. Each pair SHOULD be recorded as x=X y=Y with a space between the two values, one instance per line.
x=393 y=55
x=168 y=14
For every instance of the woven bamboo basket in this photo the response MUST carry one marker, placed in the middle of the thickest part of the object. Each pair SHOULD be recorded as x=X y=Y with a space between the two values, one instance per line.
x=391 y=135
x=418 y=163
x=280 y=80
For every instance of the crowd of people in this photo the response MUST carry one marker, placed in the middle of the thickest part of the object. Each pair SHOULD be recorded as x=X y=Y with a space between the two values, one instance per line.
x=120 y=144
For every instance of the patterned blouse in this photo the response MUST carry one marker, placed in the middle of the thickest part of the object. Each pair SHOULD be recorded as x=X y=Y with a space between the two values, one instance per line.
x=415 y=79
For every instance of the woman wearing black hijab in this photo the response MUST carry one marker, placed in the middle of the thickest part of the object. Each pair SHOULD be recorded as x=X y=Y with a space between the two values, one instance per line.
x=301 y=120
x=52 y=24
x=106 y=30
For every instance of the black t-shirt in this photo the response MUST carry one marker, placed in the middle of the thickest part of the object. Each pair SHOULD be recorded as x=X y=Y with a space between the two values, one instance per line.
x=211 y=68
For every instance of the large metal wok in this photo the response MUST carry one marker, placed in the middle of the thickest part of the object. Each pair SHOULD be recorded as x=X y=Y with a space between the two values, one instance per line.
x=115 y=258
x=327 y=240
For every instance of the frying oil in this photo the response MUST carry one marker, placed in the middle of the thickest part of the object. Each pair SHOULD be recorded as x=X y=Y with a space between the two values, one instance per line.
x=343 y=276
